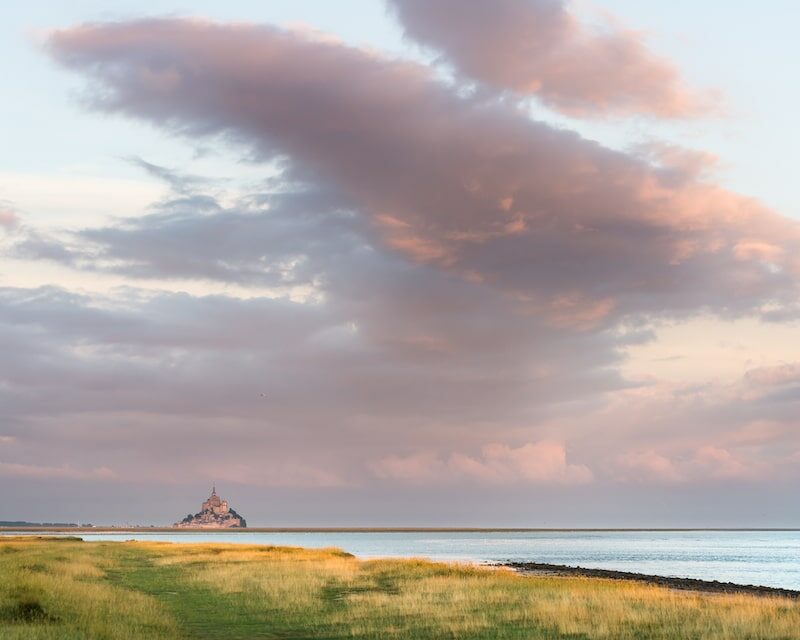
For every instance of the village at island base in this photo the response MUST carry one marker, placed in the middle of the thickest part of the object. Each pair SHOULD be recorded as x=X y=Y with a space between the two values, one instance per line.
x=214 y=514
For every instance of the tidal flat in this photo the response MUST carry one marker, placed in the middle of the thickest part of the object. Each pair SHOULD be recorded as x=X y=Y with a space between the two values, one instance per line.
x=69 y=589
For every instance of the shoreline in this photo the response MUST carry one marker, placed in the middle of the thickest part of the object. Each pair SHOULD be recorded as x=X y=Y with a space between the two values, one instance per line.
x=149 y=529
x=682 y=584
x=521 y=568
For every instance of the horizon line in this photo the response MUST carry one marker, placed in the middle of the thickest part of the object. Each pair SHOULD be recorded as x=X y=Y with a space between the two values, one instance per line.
x=156 y=529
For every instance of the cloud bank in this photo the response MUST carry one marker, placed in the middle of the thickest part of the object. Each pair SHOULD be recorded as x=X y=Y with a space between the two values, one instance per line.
x=431 y=271
x=571 y=230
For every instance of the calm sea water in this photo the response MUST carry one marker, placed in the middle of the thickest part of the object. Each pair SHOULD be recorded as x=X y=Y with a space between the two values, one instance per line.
x=770 y=558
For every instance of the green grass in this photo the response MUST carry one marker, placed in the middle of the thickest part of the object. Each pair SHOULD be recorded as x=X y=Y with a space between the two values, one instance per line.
x=72 y=589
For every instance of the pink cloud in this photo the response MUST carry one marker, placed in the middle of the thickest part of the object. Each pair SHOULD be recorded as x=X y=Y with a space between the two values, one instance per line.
x=8 y=219
x=648 y=465
x=422 y=467
x=704 y=463
x=747 y=249
x=679 y=163
x=14 y=470
x=538 y=47
x=574 y=310
x=540 y=463
x=279 y=474
x=764 y=380
x=760 y=432
x=720 y=463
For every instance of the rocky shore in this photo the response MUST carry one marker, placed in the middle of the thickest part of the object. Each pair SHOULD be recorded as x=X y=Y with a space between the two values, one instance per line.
x=687 y=584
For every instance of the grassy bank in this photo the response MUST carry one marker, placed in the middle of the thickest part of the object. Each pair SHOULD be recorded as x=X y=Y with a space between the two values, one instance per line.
x=72 y=589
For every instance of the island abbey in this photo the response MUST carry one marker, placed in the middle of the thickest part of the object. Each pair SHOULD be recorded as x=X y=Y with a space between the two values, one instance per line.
x=214 y=514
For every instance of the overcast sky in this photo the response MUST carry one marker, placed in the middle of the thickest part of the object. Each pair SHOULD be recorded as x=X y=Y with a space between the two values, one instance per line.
x=401 y=262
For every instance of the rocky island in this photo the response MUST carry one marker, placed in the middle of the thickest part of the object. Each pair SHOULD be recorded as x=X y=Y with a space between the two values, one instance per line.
x=214 y=514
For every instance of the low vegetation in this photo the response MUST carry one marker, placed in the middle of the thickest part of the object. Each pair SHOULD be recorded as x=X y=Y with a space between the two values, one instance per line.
x=71 y=589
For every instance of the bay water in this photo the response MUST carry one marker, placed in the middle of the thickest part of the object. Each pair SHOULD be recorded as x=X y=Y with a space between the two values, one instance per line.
x=769 y=558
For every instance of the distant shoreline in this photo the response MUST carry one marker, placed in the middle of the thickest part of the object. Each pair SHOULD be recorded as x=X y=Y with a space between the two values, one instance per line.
x=525 y=568
x=112 y=529
x=683 y=584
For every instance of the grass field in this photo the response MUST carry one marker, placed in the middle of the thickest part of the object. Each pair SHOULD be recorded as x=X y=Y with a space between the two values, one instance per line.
x=64 y=589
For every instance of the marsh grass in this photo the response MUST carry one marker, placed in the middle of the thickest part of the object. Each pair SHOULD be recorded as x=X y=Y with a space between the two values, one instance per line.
x=161 y=590
x=58 y=590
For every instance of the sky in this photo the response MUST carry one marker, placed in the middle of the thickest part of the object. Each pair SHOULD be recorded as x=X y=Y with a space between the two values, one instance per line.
x=400 y=262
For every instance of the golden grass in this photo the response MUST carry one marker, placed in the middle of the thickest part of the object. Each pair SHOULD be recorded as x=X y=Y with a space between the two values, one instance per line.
x=161 y=590
x=57 y=590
